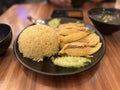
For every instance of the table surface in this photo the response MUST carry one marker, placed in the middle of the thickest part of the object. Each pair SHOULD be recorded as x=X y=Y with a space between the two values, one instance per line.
x=14 y=76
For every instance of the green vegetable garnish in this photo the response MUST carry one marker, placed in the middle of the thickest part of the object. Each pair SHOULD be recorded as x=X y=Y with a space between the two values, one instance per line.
x=54 y=23
x=71 y=61
x=78 y=22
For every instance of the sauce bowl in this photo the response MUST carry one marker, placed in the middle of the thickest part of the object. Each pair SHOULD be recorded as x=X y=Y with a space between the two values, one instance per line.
x=106 y=20
x=5 y=37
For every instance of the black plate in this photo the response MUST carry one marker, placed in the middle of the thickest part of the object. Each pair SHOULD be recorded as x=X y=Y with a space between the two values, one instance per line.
x=48 y=68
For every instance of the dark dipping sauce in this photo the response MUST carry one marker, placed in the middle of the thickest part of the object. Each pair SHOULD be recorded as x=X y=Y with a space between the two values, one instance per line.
x=2 y=36
x=106 y=16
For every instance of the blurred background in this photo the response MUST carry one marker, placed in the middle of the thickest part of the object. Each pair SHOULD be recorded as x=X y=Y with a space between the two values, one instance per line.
x=5 y=4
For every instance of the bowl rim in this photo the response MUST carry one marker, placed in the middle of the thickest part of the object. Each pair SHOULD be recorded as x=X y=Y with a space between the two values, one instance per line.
x=102 y=8
x=10 y=31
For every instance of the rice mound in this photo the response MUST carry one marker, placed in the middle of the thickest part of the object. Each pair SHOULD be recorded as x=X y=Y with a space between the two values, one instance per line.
x=38 y=41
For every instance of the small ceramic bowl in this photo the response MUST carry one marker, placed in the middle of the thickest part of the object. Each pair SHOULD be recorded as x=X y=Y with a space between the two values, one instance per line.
x=106 y=20
x=5 y=37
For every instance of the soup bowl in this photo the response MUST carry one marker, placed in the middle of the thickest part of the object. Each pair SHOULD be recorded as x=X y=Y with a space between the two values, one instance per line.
x=106 y=20
x=5 y=37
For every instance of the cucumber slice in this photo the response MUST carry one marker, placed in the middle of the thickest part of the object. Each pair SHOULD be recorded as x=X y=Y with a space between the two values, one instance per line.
x=71 y=61
x=54 y=23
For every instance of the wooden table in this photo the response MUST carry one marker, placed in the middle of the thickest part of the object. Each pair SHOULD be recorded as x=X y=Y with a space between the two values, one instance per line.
x=14 y=76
